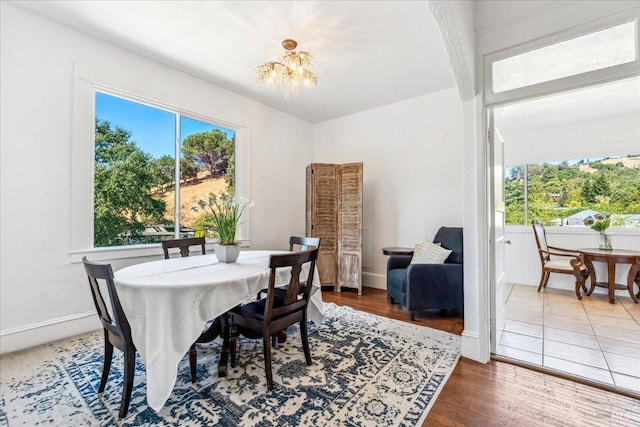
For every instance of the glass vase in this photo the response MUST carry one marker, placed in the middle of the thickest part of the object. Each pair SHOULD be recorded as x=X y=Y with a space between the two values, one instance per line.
x=606 y=242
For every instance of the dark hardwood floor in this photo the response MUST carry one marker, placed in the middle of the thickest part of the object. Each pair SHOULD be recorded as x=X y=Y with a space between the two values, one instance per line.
x=498 y=393
x=375 y=301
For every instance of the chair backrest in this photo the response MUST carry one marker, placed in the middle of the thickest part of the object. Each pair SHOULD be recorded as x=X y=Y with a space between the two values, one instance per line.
x=451 y=238
x=114 y=320
x=184 y=245
x=305 y=243
x=293 y=300
x=541 y=240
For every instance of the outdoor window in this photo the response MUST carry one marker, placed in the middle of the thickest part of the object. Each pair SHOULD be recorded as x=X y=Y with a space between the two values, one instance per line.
x=594 y=51
x=152 y=165
x=564 y=193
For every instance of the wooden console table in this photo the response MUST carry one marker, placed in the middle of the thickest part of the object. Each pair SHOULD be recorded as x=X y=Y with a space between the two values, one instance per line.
x=612 y=257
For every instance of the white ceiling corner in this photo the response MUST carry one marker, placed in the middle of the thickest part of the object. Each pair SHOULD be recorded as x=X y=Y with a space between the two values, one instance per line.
x=366 y=53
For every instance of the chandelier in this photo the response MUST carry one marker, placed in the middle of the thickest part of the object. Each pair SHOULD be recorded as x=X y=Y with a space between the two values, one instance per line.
x=290 y=73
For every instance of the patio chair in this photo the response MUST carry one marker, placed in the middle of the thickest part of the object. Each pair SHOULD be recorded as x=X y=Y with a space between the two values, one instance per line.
x=555 y=259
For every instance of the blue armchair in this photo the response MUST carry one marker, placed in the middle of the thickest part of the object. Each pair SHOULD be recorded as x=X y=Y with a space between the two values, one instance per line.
x=428 y=286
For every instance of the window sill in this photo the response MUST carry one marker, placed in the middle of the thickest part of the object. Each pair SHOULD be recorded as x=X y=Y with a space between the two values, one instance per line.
x=137 y=251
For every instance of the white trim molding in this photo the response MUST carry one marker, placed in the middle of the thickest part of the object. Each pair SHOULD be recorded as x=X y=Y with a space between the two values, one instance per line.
x=48 y=331
x=374 y=280
x=473 y=348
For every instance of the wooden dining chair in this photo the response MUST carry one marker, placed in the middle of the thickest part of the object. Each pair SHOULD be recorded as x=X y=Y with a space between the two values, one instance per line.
x=183 y=245
x=555 y=259
x=268 y=316
x=117 y=332
x=299 y=243
x=214 y=329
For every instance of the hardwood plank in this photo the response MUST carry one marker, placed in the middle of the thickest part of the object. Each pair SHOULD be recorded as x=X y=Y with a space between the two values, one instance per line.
x=501 y=394
x=375 y=301
x=498 y=393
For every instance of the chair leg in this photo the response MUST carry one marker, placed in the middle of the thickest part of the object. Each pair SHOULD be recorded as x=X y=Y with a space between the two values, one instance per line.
x=544 y=273
x=412 y=315
x=390 y=299
x=546 y=279
x=108 y=355
x=305 y=341
x=543 y=280
x=266 y=339
x=192 y=361
x=129 y=370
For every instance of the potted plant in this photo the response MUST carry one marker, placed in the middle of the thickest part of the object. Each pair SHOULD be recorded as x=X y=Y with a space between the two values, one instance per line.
x=223 y=213
x=600 y=222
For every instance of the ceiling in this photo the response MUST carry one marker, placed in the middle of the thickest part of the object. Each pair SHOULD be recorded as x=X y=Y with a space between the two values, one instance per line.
x=366 y=53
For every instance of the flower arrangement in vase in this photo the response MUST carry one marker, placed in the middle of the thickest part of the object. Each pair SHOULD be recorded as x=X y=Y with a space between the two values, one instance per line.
x=600 y=222
x=222 y=215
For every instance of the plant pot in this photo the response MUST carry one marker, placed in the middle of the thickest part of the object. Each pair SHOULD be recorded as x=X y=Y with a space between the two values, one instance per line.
x=227 y=253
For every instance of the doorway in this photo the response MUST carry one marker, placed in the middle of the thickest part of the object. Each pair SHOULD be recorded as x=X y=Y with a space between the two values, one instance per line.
x=551 y=149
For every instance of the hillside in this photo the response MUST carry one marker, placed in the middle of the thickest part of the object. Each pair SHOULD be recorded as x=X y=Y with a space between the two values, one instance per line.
x=628 y=162
x=189 y=196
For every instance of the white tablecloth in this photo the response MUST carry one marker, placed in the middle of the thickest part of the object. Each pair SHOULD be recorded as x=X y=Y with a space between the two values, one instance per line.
x=168 y=303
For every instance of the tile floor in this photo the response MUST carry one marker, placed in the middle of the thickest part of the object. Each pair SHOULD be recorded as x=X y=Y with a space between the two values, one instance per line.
x=590 y=338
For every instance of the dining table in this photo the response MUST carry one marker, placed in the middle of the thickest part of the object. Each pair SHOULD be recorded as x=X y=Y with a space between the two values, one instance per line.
x=169 y=302
x=611 y=257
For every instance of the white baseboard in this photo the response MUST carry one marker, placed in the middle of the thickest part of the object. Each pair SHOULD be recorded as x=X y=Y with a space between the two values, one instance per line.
x=374 y=280
x=472 y=348
x=45 y=332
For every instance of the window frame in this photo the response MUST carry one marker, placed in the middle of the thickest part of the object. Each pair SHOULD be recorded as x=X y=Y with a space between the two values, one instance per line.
x=603 y=75
x=86 y=83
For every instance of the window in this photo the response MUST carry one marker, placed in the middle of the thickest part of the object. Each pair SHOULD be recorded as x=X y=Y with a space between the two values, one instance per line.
x=595 y=53
x=601 y=49
x=152 y=165
x=565 y=193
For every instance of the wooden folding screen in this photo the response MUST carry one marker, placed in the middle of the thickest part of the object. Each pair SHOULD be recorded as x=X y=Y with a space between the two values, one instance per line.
x=334 y=214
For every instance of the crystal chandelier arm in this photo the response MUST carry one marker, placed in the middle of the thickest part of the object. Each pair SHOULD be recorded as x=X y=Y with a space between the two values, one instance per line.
x=290 y=73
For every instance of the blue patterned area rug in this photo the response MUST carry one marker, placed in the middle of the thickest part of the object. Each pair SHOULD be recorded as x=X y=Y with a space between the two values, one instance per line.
x=367 y=371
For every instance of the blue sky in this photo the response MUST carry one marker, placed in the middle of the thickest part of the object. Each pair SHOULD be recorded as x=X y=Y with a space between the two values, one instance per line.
x=152 y=129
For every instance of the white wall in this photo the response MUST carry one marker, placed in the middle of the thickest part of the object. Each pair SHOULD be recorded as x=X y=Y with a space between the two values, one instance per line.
x=412 y=155
x=43 y=296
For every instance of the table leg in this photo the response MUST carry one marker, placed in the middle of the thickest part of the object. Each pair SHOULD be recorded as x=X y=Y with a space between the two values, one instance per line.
x=281 y=336
x=224 y=354
x=631 y=279
x=611 y=279
x=592 y=274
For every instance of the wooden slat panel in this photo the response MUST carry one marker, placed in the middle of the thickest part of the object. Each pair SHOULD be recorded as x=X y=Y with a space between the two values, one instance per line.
x=323 y=218
x=350 y=226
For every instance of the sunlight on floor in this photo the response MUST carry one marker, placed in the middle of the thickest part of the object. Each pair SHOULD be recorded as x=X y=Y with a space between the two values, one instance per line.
x=591 y=338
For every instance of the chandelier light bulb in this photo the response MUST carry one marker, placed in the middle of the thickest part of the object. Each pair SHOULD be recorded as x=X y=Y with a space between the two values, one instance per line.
x=290 y=72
